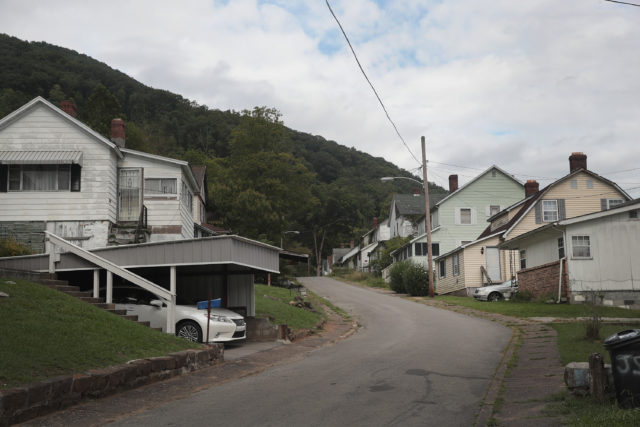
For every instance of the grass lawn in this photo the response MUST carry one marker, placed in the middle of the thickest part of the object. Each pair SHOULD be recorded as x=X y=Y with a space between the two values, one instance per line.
x=45 y=333
x=575 y=347
x=584 y=412
x=538 y=309
x=273 y=302
x=361 y=278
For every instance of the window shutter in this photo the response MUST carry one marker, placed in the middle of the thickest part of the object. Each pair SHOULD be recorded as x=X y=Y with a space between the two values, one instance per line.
x=562 y=213
x=76 y=173
x=539 y=212
x=4 y=180
x=603 y=204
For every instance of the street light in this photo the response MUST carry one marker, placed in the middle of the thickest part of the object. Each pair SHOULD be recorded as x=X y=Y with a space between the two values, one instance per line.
x=391 y=178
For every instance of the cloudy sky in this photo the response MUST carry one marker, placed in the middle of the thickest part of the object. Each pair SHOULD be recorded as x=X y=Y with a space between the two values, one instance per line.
x=516 y=83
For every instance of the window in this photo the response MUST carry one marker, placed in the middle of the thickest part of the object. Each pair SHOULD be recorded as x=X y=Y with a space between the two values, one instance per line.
x=44 y=177
x=442 y=266
x=160 y=186
x=589 y=183
x=549 y=210
x=560 y=247
x=614 y=202
x=455 y=263
x=465 y=216
x=419 y=249
x=574 y=183
x=494 y=209
x=435 y=249
x=581 y=246
x=523 y=259
x=633 y=214
x=187 y=197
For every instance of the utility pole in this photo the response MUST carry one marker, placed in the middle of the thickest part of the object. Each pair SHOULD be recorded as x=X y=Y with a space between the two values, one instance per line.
x=427 y=217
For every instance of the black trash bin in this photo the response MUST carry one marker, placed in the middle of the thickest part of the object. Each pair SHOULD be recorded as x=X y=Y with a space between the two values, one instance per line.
x=624 y=349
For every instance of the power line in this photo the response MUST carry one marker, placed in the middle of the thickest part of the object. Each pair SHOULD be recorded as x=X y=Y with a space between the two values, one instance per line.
x=623 y=2
x=371 y=84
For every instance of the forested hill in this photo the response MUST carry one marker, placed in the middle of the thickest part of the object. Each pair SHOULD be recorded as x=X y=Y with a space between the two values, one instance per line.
x=264 y=178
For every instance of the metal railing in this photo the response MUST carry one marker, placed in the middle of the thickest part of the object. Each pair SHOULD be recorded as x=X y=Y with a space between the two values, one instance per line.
x=168 y=296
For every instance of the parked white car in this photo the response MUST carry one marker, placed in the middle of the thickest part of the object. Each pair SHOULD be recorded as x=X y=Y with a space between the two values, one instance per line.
x=496 y=292
x=191 y=323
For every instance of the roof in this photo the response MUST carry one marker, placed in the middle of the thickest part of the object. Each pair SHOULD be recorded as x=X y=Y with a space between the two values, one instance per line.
x=216 y=230
x=413 y=204
x=530 y=201
x=12 y=117
x=508 y=175
x=41 y=157
x=199 y=174
x=338 y=253
x=183 y=164
x=462 y=247
x=350 y=254
x=237 y=253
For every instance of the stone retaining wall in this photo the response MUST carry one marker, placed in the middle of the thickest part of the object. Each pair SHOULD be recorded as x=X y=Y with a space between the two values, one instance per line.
x=33 y=400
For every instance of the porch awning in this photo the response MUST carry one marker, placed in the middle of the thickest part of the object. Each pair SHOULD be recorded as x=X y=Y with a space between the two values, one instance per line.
x=40 y=157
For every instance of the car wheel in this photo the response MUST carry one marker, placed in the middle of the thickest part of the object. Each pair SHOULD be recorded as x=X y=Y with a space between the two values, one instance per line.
x=494 y=296
x=189 y=330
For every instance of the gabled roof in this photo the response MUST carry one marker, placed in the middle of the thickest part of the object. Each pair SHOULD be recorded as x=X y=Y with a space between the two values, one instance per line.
x=350 y=254
x=508 y=175
x=462 y=247
x=26 y=108
x=530 y=201
x=183 y=164
x=413 y=204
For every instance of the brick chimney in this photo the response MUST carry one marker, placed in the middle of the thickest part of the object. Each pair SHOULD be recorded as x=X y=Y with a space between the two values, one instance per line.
x=577 y=160
x=531 y=187
x=453 y=183
x=375 y=222
x=416 y=192
x=117 y=132
x=69 y=107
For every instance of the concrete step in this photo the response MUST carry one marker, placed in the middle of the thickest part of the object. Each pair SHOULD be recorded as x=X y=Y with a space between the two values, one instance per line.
x=91 y=300
x=118 y=312
x=144 y=323
x=132 y=317
x=79 y=294
x=64 y=288
x=104 y=305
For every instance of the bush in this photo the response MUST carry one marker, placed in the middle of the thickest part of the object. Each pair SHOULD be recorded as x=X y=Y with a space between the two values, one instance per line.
x=396 y=276
x=416 y=280
x=11 y=247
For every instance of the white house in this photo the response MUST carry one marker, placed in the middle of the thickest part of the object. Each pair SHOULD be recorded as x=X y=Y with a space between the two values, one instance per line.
x=584 y=257
x=59 y=175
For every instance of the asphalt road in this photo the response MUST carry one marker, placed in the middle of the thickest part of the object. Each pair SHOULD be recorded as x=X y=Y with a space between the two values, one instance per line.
x=409 y=364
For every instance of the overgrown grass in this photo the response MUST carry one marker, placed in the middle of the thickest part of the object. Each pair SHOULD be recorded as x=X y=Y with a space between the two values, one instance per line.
x=361 y=278
x=575 y=347
x=45 y=333
x=584 y=412
x=538 y=309
x=273 y=302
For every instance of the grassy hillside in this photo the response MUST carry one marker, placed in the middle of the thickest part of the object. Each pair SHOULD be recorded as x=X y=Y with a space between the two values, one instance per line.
x=45 y=333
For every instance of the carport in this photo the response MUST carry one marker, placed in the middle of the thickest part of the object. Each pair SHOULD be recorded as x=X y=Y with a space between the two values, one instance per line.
x=185 y=271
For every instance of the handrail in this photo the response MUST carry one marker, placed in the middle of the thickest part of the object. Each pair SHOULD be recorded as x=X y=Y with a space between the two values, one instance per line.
x=484 y=273
x=109 y=266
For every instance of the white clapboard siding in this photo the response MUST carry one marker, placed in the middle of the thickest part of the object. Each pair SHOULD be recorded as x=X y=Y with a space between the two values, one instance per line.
x=43 y=130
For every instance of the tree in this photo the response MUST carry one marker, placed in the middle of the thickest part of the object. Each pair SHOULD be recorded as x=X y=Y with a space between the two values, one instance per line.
x=100 y=109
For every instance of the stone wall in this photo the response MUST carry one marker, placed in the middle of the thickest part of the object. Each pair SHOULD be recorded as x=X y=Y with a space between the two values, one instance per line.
x=33 y=400
x=29 y=233
x=260 y=329
x=542 y=280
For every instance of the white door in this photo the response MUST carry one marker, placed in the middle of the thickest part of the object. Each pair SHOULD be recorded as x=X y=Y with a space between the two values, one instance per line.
x=493 y=264
x=129 y=194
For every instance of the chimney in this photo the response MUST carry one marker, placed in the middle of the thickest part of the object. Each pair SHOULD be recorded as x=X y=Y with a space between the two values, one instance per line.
x=416 y=192
x=453 y=183
x=375 y=222
x=68 y=107
x=341 y=245
x=117 y=132
x=577 y=160
x=531 y=187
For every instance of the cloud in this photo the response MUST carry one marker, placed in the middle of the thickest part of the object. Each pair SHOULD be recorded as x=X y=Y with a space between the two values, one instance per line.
x=512 y=83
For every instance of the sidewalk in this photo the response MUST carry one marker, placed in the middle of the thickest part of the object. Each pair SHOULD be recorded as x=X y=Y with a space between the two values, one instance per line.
x=529 y=374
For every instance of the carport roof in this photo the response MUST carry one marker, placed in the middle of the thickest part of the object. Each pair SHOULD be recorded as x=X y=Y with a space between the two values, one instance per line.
x=237 y=253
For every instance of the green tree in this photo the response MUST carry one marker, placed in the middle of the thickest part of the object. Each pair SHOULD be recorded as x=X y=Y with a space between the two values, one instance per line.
x=100 y=109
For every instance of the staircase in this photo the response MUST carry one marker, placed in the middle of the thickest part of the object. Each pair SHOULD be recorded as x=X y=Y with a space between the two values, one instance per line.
x=86 y=296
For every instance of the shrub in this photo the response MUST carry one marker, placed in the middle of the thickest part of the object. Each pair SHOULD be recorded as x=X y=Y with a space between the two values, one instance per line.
x=396 y=275
x=416 y=280
x=11 y=247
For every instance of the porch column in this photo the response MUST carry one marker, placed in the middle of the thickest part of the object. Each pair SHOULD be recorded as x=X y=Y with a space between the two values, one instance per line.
x=96 y=283
x=109 y=296
x=171 y=309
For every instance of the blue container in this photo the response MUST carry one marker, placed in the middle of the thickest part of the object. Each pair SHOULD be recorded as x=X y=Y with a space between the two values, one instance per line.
x=215 y=303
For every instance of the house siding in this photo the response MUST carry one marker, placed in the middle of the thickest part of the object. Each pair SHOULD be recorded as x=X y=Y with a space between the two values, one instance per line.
x=487 y=190
x=578 y=201
x=450 y=283
x=44 y=130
